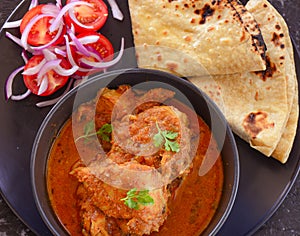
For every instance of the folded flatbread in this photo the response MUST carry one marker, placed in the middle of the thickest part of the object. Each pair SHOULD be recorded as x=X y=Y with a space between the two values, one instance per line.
x=220 y=35
x=264 y=12
x=262 y=107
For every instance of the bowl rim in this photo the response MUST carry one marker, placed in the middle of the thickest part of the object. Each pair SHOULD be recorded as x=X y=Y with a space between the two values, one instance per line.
x=151 y=72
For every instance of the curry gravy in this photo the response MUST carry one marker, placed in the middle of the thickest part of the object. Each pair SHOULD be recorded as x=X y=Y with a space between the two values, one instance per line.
x=191 y=208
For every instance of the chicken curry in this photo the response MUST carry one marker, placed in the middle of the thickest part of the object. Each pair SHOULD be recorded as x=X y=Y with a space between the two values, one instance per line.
x=87 y=204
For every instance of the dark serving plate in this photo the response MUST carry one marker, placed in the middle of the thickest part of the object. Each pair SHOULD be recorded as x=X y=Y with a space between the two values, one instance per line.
x=264 y=182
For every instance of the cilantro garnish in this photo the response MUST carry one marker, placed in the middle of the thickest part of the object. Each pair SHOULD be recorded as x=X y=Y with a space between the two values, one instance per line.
x=104 y=132
x=135 y=198
x=166 y=137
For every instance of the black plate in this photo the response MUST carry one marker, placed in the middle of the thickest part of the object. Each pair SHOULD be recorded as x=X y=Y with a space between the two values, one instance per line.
x=264 y=182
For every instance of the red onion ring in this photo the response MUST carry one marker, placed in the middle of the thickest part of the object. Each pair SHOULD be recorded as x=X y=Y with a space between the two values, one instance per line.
x=35 y=69
x=10 y=80
x=21 y=96
x=55 y=100
x=78 y=44
x=43 y=86
x=49 y=65
x=63 y=11
x=103 y=65
x=117 y=14
x=17 y=23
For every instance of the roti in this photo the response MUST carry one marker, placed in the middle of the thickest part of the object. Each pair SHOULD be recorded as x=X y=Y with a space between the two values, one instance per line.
x=263 y=10
x=212 y=34
x=262 y=107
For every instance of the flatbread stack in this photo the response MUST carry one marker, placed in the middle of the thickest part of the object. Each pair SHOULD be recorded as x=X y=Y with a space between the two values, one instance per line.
x=220 y=46
x=212 y=32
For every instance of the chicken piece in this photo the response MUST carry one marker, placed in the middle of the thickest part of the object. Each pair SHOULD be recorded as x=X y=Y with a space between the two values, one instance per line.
x=92 y=220
x=132 y=156
x=108 y=199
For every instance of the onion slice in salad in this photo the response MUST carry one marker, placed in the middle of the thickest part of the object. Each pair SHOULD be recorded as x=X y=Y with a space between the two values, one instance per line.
x=10 y=80
x=55 y=24
x=17 y=23
x=117 y=14
x=21 y=96
x=44 y=85
x=55 y=100
x=103 y=65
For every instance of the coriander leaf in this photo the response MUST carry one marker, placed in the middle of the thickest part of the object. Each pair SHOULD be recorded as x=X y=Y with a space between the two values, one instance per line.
x=166 y=137
x=135 y=198
x=158 y=139
x=170 y=134
x=103 y=132
x=89 y=127
x=172 y=146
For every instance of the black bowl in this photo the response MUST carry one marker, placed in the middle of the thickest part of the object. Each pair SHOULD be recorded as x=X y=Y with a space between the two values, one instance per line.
x=201 y=104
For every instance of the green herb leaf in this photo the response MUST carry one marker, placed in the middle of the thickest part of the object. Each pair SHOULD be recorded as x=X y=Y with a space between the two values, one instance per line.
x=89 y=131
x=135 y=198
x=105 y=132
x=165 y=137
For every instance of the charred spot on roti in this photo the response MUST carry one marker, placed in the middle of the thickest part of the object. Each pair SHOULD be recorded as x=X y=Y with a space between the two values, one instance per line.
x=276 y=39
x=250 y=25
x=205 y=12
x=265 y=5
x=277 y=27
x=256 y=122
x=270 y=70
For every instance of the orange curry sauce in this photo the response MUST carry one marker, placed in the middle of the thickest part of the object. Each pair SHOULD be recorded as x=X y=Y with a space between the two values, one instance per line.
x=192 y=207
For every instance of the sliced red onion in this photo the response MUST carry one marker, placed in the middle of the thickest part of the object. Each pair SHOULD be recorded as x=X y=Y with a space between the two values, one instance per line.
x=50 y=65
x=78 y=44
x=65 y=72
x=77 y=22
x=44 y=85
x=17 y=23
x=70 y=56
x=33 y=4
x=117 y=14
x=11 y=24
x=60 y=52
x=49 y=55
x=21 y=96
x=102 y=65
x=55 y=100
x=27 y=29
x=88 y=39
x=69 y=53
x=35 y=69
x=10 y=80
x=63 y=11
x=24 y=56
x=50 y=9
x=58 y=3
x=14 y=38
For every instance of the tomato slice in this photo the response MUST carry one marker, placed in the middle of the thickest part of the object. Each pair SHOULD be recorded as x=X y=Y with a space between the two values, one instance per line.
x=55 y=81
x=92 y=17
x=102 y=47
x=39 y=33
